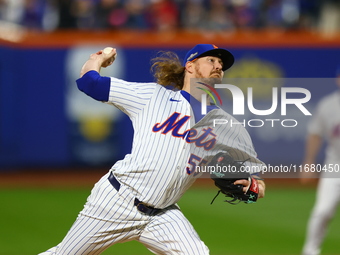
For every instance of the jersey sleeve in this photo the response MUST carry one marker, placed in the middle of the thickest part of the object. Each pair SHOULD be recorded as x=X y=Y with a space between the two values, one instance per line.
x=94 y=85
x=130 y=97
x=316 y=124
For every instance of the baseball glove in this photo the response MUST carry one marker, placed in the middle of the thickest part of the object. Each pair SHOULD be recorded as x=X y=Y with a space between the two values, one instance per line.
x=224 y=171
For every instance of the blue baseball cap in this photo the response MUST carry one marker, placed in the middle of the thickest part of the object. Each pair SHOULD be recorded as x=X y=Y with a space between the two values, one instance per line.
x=203 y=50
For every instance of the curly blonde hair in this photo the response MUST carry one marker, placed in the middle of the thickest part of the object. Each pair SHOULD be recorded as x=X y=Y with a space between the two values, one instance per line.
x=168 y=70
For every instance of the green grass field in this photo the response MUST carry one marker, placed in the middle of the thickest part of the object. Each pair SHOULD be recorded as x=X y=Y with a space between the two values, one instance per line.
x=35 y=219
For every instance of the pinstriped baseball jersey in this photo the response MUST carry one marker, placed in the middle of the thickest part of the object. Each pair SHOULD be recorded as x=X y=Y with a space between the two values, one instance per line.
x=233 y=139
x=154 y=169
x=326 y=123
x=167 y=144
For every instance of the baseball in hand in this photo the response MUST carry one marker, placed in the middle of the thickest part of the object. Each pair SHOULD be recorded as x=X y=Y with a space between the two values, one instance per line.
x=107 y=50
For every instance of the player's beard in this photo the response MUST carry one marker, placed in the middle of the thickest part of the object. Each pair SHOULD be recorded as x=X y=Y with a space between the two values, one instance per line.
x=210 y=80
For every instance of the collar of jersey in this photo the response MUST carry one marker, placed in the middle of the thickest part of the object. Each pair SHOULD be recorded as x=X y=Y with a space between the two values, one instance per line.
x=196 y=105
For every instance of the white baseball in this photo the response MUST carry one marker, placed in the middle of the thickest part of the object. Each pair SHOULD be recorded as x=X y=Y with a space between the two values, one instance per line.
x=107 y=50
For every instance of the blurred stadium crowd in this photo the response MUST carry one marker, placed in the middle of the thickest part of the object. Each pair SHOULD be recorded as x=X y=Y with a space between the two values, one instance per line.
x=167 y=15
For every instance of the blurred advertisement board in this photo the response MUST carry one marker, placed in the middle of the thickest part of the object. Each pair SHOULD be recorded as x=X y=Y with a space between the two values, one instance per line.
x=46 y=121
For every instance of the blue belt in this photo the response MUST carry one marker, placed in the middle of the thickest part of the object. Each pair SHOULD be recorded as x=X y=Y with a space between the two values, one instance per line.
x=140 y=205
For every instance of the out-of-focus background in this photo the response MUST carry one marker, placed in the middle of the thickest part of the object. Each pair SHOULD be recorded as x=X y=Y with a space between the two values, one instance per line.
x=55 y=142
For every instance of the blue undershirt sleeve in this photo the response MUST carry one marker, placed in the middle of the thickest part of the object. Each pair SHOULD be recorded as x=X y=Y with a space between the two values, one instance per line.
x=95 y=86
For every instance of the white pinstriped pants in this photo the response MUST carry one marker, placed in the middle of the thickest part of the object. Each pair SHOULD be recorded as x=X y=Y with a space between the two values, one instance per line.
x=110 y=217
x=327 y=200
